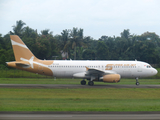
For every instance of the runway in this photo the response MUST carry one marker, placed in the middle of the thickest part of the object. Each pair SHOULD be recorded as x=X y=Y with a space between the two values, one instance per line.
x=64 y=86
x=79 y=116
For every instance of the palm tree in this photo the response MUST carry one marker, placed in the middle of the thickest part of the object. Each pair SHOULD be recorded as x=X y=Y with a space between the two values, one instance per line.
x=46 y=32
x=29 y=32
x=18 y=28
x=63 y=41
x=76 y=40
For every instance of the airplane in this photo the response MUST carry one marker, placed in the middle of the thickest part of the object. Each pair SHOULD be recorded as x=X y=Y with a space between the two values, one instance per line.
x=93 y=71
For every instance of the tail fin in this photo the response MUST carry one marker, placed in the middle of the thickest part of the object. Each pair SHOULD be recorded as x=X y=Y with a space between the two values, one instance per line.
x=21 y=51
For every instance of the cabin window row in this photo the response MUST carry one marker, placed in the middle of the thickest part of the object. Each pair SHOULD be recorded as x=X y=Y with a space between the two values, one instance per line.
x=95 y=66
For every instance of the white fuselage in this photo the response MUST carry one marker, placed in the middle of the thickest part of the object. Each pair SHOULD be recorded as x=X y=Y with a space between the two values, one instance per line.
x=127 y=69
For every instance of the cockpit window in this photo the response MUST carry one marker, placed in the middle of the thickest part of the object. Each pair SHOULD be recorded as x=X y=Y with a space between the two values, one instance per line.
x=148 y=66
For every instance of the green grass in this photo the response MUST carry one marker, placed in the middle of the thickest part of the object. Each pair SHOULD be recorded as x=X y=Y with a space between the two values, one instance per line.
x=112 y=99
x=38 y=81
x=125 y=99
x=15 y=73
x=73 y=81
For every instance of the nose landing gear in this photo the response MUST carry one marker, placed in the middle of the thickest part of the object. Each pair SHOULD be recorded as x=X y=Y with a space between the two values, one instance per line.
x=137 y=83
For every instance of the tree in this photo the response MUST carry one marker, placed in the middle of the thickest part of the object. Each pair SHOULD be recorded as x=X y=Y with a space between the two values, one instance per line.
x=102 y=51
x=145 y=47
x=2 y=57
x=63 y=39
x=89 y=55
x=80 y=51
x=18 y=29
x=46 y=32
x=125 y=34
x=46 y=45
x=29 y=32
x=76 y=40
x=1 y=42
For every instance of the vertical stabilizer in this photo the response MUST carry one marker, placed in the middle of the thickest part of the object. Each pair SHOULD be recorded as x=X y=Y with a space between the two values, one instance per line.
x=21 y=51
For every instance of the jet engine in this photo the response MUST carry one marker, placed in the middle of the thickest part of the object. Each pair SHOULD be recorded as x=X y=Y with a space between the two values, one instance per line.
x=111 y=78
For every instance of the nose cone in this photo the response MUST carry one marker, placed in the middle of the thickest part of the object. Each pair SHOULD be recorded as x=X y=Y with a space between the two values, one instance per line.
x=154 y=71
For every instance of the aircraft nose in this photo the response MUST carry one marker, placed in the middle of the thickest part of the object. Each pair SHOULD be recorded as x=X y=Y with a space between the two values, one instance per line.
x=154 y=71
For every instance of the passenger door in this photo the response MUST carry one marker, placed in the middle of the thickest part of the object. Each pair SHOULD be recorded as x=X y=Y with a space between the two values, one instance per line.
x=139 y=67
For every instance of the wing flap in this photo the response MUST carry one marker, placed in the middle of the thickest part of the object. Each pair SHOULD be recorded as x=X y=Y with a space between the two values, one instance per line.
x=92 y=71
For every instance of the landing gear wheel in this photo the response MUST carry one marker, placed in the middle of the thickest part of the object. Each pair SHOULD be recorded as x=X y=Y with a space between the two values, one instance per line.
x=83 y=82
x=90 y=83
x=137 y=83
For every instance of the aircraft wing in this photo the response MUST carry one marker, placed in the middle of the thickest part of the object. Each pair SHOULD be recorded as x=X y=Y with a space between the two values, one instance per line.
x=93 y=72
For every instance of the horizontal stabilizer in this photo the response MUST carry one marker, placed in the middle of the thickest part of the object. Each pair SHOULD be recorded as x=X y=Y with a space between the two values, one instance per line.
x=24 y=65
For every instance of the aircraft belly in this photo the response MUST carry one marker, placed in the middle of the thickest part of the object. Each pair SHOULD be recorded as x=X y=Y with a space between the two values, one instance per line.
x=65 y=73
x=69 y=74
x=62 y=74
x=126 y=73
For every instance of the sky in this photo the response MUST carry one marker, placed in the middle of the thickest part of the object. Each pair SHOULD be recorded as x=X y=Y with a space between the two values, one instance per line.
x=95 y=17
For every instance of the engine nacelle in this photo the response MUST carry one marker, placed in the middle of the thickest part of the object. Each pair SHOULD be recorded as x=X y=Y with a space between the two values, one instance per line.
x=111 y=78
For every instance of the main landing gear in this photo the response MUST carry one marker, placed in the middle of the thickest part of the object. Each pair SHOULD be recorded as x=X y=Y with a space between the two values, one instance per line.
x=83 y=82
x=90 y=83
x=137 y=83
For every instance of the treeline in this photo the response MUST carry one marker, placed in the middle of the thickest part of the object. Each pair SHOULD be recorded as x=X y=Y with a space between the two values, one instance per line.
x=71 y=44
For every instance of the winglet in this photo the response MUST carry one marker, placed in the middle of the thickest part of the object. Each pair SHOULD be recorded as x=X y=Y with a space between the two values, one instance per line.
x=87 y=68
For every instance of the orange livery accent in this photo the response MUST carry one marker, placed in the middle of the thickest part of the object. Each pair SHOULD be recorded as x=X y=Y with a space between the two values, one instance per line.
x=16 y=39
x=111 y=78
x=109 y=67
x=25 y=60
x=37 y=68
